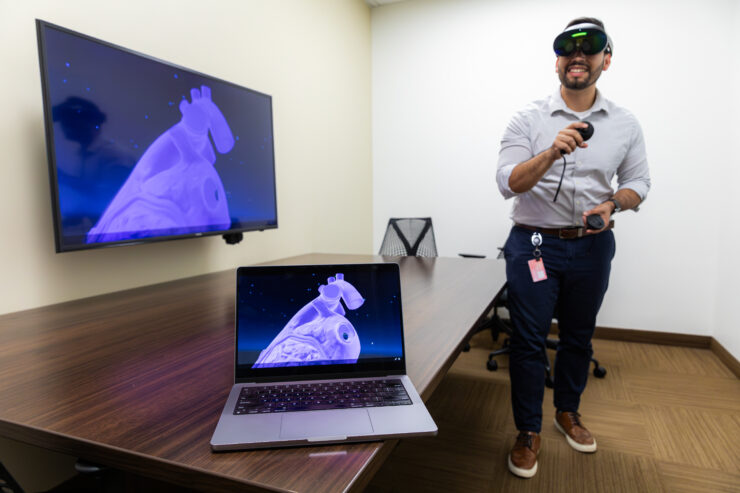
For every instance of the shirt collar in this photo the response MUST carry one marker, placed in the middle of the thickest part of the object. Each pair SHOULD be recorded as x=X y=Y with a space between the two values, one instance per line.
x=558 y=104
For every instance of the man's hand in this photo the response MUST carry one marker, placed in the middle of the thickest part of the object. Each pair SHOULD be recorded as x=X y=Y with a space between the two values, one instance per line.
x=525 y=175
x=568 y=139
x=604 y=210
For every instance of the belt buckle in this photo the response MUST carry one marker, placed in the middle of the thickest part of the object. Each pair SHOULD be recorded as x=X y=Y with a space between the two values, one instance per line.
x=570 y=233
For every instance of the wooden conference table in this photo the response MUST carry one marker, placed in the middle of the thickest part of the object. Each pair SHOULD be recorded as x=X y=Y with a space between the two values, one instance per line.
x=137 y=379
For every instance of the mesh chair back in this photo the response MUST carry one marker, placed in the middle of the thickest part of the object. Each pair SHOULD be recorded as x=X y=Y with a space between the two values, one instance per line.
x=409 y=236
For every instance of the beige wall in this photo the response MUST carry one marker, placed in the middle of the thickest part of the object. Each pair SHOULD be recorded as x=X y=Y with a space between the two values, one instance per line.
x=312 y=56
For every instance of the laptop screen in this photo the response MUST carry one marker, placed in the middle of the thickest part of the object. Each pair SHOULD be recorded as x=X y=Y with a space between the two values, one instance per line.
x=305 y=321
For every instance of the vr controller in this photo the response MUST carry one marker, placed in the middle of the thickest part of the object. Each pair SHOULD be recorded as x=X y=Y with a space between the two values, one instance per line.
x=594 y=222
x=586 y=133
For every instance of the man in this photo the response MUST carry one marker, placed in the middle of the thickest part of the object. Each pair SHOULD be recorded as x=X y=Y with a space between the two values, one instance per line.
x=555 y=263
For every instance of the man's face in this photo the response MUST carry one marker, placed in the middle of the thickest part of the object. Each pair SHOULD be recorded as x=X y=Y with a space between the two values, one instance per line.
x=580 y=71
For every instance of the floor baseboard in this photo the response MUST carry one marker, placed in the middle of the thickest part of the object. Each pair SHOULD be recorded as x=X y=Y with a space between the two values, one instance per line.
x=667 y=339
x=725 y=357
x=649 y=337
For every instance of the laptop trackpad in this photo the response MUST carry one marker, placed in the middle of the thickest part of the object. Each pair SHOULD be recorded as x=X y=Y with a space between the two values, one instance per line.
x=329 y=424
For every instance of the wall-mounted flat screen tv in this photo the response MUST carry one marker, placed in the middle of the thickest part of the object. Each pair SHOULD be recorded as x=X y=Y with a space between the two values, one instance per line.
x=144 y=150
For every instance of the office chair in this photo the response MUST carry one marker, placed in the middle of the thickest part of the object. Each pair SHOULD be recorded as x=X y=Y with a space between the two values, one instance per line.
x=8 y=484
x=409 y=236
x=88 y=480
x=499 y=325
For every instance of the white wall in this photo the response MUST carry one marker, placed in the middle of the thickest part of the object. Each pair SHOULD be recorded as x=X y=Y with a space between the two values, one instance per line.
x=312 y=56
x=447 y=77
x=727 y=330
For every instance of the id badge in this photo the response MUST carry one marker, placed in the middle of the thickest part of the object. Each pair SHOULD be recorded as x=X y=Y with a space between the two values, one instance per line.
x=536 y=265
x=537 y=269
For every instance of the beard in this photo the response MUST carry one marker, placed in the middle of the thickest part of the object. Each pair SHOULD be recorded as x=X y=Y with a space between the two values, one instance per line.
x=580 y=82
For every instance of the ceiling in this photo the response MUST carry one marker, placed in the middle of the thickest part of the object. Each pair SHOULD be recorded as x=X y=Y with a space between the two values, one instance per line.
x=378 y=3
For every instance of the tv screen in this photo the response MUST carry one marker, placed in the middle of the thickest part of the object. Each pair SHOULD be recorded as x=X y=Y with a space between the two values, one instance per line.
x=143 y=150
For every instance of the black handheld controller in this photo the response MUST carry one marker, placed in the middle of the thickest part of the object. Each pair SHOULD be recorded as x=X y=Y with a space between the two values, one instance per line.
x=594 y=222
x=586 y=133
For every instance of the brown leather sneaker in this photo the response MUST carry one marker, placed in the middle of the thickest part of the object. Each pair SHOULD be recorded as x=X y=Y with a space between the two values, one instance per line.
x=523 y=457
x=569 y=424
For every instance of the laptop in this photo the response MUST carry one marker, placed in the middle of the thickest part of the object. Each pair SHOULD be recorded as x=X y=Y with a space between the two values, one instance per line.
x=319 y=358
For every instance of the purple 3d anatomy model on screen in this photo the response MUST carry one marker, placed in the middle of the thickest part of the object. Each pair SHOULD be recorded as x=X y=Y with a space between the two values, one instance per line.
x=174 y=185
x=319 y=332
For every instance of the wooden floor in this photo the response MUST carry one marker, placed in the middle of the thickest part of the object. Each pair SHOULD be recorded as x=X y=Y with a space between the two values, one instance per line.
x=666 y=419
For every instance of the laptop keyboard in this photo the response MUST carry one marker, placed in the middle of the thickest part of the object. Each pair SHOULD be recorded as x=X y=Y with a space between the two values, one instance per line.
x=318 y=396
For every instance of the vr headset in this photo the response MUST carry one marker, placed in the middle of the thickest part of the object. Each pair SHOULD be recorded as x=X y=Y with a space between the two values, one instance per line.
x=590 y=39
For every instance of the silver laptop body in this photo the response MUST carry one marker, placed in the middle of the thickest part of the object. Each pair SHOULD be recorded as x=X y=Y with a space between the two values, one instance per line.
x=319 y=358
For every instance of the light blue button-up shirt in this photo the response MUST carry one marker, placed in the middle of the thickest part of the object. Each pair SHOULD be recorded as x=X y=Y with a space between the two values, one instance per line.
x=617 y=147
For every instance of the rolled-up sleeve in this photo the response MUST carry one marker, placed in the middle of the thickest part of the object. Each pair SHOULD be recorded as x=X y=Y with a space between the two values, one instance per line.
x=633 y=172
x=516 y=147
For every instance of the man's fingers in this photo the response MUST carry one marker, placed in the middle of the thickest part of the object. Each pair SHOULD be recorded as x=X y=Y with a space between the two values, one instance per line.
x=562 y=146
x=570 y=141
x=576 y=136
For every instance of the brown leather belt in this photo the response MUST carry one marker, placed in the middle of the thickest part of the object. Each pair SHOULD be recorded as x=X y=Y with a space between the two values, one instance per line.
x=569 y=233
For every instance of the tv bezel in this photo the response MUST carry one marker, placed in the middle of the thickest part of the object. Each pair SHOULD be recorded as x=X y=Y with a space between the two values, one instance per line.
x=60 y=246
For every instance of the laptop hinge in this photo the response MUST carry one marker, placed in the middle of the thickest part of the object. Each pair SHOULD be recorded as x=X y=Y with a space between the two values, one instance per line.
x=318 y=376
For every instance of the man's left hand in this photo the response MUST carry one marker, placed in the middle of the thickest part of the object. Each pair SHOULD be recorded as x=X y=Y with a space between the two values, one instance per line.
x=605 y=211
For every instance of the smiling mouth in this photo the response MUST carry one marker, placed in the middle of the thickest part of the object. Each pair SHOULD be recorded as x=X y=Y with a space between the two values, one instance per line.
x=577 y=70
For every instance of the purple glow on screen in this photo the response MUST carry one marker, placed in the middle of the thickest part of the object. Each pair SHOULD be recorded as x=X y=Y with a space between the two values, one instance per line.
x=174 y=184
x=318 y=333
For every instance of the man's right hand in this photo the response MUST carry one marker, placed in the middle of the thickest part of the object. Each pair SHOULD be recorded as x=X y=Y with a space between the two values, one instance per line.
x=567 y=140
x=525 y=175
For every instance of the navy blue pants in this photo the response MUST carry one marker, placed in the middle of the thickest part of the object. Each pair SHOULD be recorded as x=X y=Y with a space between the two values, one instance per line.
x=577 y=279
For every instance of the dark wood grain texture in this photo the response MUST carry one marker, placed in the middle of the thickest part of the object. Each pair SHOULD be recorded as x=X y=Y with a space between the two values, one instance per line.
x=137 y=379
